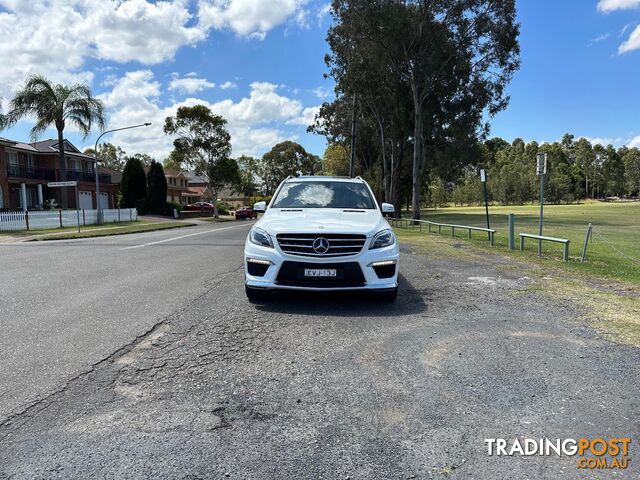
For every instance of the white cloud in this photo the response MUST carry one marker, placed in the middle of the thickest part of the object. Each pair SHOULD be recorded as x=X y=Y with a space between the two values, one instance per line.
x=56 y=37
x=634 y=142
x=248 y=18
x=255 y=122
x=307 y=117
x=599 y=38
x=611 y=5
x=228 y=85
x=632 y=43
x=189 y=84
x=322 y=92
x=323 y=11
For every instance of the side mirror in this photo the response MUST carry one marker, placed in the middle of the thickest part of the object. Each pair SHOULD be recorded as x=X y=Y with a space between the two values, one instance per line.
x=388 y=208
x=260 y=207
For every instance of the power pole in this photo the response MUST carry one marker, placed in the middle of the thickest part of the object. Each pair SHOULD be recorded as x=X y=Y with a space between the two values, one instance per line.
x=353 y=138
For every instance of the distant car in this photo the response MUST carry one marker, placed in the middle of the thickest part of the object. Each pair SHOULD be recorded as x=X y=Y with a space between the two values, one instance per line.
x=246 y=212
x=199 y=206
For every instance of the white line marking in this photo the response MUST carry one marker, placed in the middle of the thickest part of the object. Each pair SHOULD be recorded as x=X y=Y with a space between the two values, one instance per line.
x=214 y=230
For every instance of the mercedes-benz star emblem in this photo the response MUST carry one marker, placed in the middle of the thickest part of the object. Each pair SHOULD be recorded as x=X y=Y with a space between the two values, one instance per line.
x=321 y=245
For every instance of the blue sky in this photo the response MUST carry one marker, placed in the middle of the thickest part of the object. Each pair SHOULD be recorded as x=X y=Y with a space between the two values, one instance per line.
x=260 y=64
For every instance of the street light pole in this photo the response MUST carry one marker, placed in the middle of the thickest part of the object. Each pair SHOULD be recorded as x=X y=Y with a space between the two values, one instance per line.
x=95 y=155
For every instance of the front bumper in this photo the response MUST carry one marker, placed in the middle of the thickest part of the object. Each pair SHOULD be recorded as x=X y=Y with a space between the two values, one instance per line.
x=276 y=258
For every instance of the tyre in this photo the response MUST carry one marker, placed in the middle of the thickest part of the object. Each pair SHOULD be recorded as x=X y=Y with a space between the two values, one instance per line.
x=256 y=295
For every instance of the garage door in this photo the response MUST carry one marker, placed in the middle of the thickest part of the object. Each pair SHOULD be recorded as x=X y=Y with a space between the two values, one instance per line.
x=86 y=200
x=104 y=201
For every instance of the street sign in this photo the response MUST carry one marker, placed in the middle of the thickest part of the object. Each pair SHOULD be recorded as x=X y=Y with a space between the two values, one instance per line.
x=541 y=168
x=483 y=175
x=62 y=184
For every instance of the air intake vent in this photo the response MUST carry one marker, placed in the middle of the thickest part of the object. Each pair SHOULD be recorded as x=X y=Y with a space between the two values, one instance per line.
x=324 y=245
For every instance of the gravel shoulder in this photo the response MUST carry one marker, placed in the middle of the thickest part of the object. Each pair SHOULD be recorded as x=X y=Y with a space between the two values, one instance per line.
x=342 y=386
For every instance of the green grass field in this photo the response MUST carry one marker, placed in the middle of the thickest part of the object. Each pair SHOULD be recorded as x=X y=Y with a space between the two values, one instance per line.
x=613 y=253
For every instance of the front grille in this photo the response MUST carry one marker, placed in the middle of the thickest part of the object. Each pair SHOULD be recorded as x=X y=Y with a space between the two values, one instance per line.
x=348 y=275
x=340 y=245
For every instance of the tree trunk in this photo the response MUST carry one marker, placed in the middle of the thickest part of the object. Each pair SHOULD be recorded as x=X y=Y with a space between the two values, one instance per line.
x=63 y=166
x=394 y=188
x=417 y=156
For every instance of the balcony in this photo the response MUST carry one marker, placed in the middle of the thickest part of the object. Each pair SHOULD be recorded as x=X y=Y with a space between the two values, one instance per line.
x=22 y=171
x=76 y=175
x=51 y=175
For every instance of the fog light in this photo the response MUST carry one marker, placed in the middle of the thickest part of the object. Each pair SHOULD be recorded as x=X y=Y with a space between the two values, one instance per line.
x=384 y=268
x=258 y=261
x=384 y=263
x=257 y=267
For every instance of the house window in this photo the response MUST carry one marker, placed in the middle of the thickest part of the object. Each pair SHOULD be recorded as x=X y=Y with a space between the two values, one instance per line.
x=30 y=163
x=12 y=161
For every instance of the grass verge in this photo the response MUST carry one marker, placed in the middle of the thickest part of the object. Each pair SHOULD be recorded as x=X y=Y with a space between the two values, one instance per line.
x=611 y=306
x=110 y=230
x=614 y=252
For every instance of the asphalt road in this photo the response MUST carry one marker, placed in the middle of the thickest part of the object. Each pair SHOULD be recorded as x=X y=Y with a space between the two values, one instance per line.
x=302 y=386
x=67 y=305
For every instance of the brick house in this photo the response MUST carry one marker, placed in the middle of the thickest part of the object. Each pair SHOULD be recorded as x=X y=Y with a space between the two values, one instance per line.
x=26 y=168
x=177 y=186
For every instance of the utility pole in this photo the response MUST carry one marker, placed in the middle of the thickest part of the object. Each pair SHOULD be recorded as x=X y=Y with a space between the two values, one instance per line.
x=483 y=179
x=541 y=170
x=353 y=138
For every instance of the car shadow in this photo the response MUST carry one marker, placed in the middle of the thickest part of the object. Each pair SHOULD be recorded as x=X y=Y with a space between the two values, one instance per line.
x=347 y=304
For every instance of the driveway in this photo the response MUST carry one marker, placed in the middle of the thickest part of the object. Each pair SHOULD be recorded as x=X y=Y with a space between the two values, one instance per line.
x=336 y=387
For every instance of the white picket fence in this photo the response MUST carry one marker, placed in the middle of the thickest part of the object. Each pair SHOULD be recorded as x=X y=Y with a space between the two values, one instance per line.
x=11 y=221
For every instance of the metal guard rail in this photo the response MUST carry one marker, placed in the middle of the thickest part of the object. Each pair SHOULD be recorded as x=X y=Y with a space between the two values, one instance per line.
x=407 y=221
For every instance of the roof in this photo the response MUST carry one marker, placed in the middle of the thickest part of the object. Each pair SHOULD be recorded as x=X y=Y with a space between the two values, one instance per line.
x=196 y=190
x=45 y=146
x=317 y=178
x=173 y=173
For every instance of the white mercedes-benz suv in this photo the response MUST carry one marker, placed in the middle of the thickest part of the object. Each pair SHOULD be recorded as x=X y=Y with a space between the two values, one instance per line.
x=322 y=234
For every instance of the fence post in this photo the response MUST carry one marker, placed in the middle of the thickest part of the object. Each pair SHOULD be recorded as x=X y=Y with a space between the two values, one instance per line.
x=521 y=243
x=566 y=252
x=84 y=219
x=26 y=218
x=512 y=238
x=131 y=215
x=60 y=215
x=469 y=234
x=492 y=237
x=586 y=242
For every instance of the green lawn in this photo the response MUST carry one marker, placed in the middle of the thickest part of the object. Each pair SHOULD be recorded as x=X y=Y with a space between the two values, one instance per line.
x=614 y=252
x=105 y=230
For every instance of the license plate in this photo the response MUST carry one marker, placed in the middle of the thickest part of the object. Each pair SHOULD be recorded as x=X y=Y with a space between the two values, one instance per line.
x=320 y=272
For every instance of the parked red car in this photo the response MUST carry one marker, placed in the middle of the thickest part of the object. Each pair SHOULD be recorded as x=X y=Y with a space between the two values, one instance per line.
x=199 y=206
x=246 y=212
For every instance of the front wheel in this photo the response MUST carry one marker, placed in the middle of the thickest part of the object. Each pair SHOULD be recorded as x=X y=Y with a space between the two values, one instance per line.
x=256 y=294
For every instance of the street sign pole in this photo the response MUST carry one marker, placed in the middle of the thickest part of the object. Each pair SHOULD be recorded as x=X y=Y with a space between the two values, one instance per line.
x=78 y=207
x=541 y=170
x=64 y=186
x=483 y=179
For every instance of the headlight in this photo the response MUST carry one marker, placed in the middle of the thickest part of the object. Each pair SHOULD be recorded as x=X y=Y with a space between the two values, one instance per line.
x=258 y=236
x=385 y=238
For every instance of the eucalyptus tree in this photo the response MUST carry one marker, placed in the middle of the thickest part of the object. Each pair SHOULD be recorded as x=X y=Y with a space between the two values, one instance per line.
x=454 y=56
x=203 y=144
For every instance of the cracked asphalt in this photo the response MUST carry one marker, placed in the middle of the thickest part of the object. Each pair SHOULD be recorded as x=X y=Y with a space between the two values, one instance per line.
x=202 y=384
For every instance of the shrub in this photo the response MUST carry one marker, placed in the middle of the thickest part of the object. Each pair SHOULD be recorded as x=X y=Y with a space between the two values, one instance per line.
x=142 y=205
x=169 y=206
x=223 y=208
x=157 y=183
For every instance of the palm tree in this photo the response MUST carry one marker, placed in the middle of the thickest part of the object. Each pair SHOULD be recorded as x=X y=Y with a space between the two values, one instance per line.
x=56 y=104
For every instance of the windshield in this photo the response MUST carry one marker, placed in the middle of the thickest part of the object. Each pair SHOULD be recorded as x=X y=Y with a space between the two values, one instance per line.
x=324 y=194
